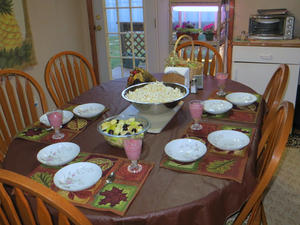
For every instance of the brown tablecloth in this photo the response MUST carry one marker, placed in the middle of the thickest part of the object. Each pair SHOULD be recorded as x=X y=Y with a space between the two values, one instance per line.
x=167 y=197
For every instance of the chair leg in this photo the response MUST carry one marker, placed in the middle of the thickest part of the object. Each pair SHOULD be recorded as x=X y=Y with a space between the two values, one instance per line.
x=263 y=215
x=255 y=216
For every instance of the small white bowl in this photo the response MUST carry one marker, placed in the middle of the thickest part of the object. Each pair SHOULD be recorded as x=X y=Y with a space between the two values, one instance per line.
x=215 y=106
x=185 y=149
x=88 y=110
x=67 y=116
x=58 y=154
x=228 y=140
x=241 y=98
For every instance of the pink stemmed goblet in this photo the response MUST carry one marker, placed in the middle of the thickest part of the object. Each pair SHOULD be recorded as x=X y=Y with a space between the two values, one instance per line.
x=196 y=110
x=221 y=81
x=55 y=120
x=133 y=149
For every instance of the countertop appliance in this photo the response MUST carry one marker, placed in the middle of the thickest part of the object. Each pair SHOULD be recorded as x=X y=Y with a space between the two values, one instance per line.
x=271 y=24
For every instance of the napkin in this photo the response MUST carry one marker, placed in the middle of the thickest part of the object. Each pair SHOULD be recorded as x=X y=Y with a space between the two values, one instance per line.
x=184 y=71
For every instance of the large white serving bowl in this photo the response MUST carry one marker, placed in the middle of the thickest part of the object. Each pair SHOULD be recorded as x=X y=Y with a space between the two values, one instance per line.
x=67 y=116
x=88 y=110
x=155 y=108
x=229 y=140
x=216 y=106
x=58 y=154
x=77 y=176
x=185 y=149
x=241 y=98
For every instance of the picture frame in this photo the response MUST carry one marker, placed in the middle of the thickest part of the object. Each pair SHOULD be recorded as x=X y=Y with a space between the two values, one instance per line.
x=16 y=44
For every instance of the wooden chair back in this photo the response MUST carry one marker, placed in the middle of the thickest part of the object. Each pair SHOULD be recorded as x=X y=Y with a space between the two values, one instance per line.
x=67 y=75
x=22 y=100
x=204 y=53
x=276 y=87
x=173 y=78
x=274 y=92
x=24 y=201
x=270 y=149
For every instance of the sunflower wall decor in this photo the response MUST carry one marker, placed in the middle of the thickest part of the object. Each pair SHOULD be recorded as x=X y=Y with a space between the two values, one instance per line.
x=16 y=48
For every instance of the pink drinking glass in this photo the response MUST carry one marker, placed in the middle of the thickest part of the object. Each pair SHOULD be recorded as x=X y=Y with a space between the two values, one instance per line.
x=133 y=148
x=221 y=81
x=196 y=110
x=55 y=120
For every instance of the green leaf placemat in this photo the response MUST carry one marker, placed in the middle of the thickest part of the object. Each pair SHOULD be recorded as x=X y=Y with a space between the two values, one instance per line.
x=216 y=163
x=38 y=132
x=247 y=114
x=115 y=197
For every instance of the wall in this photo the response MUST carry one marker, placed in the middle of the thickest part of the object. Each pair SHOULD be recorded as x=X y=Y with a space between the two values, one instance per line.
x=245 y=8
x=57 y=25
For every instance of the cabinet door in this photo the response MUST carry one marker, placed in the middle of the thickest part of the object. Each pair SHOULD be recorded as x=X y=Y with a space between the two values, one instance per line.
x=257 y=76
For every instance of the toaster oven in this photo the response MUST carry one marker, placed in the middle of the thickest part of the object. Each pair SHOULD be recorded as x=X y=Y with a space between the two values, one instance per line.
x=271 y=27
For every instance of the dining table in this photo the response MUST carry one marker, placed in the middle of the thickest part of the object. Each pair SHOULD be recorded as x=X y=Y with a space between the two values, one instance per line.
x=166 y=196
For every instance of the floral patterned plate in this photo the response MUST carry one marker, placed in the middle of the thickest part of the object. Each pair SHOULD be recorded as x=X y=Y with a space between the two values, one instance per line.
x=58 y=154
x=88 y=110
x=77 y=176
x=241 y=98
x=216 y=106
x=67 y=116
x=185 y=149
x=228 y=140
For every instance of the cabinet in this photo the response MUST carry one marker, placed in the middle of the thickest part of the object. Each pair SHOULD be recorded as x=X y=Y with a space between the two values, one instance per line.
x=254 y=67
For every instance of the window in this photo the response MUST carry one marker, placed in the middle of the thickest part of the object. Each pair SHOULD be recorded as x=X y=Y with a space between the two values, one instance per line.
x=195 y=16
x=125 y=36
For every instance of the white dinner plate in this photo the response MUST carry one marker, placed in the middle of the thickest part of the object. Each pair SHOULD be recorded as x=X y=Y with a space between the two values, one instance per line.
x=185 y=149
x=77 y=176
x=58 y=154
x=67 y=116
x=229 y=140
x=88 y=110
x=241 y=98
x=216 y=106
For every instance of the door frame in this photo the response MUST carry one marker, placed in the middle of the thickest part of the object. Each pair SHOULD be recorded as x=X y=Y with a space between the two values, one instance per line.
x=92 y=27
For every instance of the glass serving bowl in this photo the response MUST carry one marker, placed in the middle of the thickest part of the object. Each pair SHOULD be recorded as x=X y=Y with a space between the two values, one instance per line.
x=115 y=136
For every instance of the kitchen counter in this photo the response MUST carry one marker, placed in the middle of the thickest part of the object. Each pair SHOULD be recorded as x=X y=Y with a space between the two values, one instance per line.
x=268 y=43
x=254 y=63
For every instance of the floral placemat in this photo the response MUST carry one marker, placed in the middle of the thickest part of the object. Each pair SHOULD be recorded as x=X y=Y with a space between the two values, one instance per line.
x=247 y=114
x=216 y=163
x=38 y=132
x=115 y=197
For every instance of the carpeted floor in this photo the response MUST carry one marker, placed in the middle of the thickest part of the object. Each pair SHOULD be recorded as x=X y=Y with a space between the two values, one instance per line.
x=282 y=201
x=294 y=139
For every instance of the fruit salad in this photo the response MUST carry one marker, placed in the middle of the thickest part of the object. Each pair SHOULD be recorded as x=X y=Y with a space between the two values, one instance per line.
x=122 y=127
x=118 y=129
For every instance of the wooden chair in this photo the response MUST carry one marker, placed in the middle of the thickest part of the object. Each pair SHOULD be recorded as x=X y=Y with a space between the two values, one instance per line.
x=274 y=92
x=67 y=75
x=24 y=201
x=205 y=53
x=276 y=86
x=22 y=99
x=270 y=149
